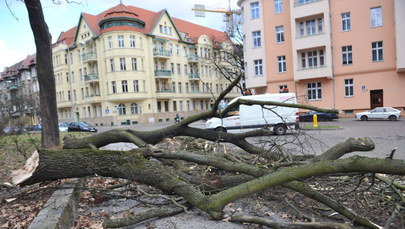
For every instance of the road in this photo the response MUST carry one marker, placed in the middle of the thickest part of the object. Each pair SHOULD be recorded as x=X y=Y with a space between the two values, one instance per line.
x=385 y=134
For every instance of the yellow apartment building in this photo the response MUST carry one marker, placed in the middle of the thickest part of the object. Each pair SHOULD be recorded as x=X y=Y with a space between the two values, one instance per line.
x=344 y=54
x=128 y=65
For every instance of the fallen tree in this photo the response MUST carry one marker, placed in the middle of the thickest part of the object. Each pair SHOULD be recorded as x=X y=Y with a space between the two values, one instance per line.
x=82 y=157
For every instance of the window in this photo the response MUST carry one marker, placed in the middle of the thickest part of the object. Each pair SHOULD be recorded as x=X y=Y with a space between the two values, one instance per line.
x=257 y=42
x=280 y=34
x=180 y=87
x=377 y=51
x=136 y=86
x=121 y=109
x=112 y=65
x=120 y=41
x=320 y=25
x=124 y=84
x=258 y=65
x=123 y=67
x=314 y=91
x=174 y=105
x=110 y=43
x=346 y=23
x=172 y=67
x=312 y=59
x=133 y=64
x=347 y=55
x=177 y=50
x=134 y=108
x=278 y=6
x=375 y=17
x=178 y=69
x=174 y=86
x=254 y=10
x=310 y=26
x=113 y=85
x=132 y=41
x=281 y=64
x=348 y=87
x=303 y=60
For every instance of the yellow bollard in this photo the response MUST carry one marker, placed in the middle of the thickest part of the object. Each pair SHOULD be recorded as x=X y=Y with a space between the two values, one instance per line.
x=315 y=118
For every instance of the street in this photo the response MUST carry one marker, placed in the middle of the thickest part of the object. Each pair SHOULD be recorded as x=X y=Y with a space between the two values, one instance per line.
x=386 y=135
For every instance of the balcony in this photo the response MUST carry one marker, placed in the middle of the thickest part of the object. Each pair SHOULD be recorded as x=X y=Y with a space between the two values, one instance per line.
x=96 y=98
x=193 y=76
x=193 y=58
x=163 y=73
x=13 y=87
x=304 y=2
x=90 y=56
x=92 y=77
x=161 y=53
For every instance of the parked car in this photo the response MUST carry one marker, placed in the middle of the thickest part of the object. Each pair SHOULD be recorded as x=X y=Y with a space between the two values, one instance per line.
x=63 y=127
x=309 y=116
x=14 y=130
x=389 y=113
x=36 y=127
x=81 y=126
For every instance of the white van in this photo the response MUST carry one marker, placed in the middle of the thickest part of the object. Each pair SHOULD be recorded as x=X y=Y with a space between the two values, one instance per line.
x=246 y=118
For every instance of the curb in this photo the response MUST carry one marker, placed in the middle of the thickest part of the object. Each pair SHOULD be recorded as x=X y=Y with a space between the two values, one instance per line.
x=59 y=211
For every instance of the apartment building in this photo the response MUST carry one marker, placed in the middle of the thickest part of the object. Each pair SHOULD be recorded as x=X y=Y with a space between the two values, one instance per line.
x=344 y=54
x=129 y=65
x=19 y=92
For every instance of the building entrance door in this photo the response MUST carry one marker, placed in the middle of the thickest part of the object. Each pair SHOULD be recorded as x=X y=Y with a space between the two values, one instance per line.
x=376 y=99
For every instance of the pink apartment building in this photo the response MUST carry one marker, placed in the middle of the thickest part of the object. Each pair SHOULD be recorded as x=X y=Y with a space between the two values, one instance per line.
x=344 y=54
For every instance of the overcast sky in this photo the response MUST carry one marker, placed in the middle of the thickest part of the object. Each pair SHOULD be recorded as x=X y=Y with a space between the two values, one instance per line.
x=17 y=41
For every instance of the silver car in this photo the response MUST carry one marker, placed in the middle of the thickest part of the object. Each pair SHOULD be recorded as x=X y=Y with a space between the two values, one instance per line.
x=388 y=113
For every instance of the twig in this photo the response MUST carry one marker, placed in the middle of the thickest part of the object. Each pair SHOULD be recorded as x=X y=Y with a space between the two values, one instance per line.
x=164 y=197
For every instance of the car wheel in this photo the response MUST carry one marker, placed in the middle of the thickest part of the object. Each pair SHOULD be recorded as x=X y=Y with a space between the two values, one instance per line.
x=392 y=118
x=364 y=118
x=221 y=129
x=280 y=129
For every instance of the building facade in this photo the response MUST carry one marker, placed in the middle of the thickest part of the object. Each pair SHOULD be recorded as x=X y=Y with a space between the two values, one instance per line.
x=19 y=93
x=128 y=65
x=341 y=54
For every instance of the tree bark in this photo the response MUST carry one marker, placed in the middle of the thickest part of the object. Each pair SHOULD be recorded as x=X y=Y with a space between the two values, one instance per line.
x=46 y=79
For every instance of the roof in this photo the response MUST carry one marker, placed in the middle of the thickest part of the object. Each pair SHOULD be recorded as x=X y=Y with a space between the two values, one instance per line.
x=150 y=19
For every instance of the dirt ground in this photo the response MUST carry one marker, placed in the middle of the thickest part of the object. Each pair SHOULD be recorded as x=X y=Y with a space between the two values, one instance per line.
x=366 y=196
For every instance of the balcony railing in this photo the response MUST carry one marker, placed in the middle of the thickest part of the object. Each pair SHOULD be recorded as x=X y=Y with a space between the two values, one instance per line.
x=161 y=52
x=164 y=91
x=193 y=58
x=163 y=72
x=91 y=77
x=194 y=75
x=89 y=56
x=13 y=87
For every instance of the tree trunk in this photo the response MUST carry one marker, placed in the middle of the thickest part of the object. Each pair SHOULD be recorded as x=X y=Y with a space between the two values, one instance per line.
x=46 y=79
